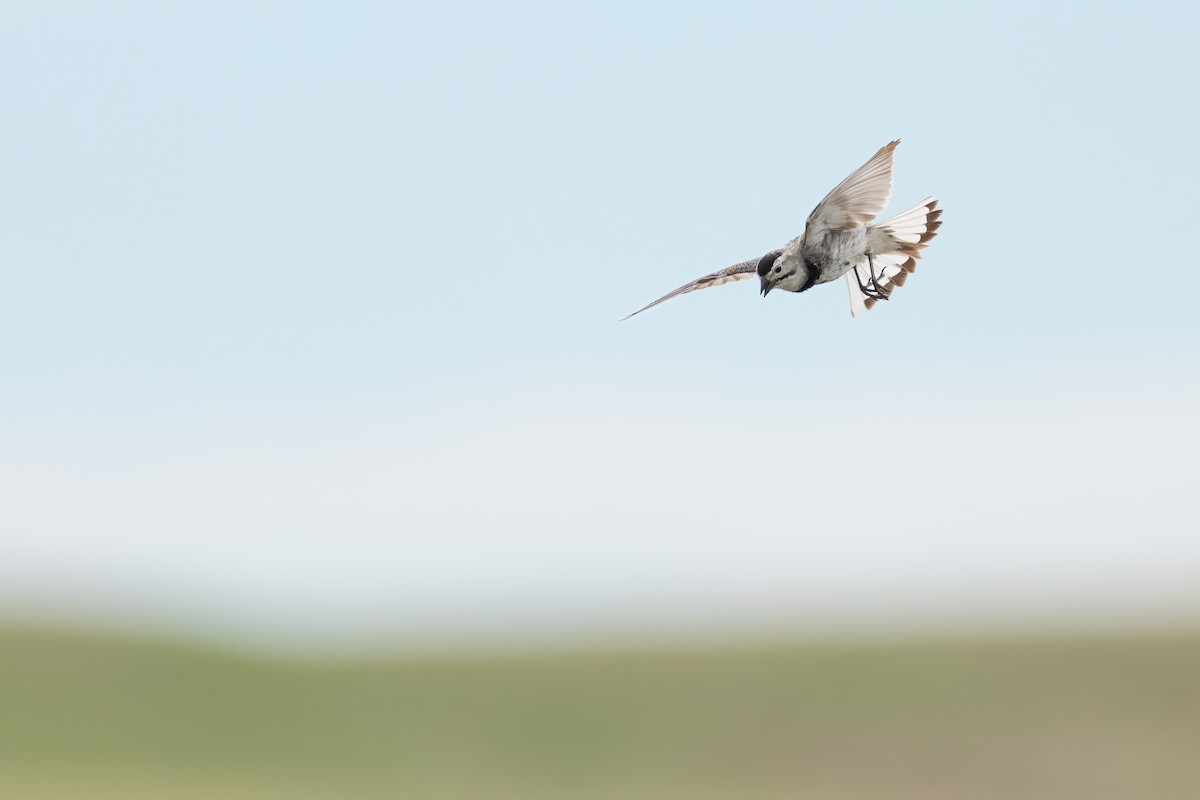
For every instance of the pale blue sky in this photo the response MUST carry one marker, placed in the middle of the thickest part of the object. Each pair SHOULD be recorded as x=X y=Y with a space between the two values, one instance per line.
x=309 y=312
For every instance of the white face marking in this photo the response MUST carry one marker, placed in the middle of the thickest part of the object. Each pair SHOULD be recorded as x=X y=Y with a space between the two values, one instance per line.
x=789 y=273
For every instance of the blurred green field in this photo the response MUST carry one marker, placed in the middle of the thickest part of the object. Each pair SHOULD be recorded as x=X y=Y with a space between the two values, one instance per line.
x=1093 y=718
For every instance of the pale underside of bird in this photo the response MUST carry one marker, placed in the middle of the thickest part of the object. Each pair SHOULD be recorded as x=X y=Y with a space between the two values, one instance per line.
x=841 y=239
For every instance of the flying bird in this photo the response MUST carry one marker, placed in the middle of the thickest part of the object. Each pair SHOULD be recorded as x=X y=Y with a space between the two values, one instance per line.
x=840 y=239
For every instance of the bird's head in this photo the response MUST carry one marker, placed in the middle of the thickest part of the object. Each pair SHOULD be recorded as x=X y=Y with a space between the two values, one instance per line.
x=769 y=272
x=781 y=270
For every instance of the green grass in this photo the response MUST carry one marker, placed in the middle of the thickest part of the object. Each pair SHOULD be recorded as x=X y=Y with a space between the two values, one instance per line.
x=1090 y=718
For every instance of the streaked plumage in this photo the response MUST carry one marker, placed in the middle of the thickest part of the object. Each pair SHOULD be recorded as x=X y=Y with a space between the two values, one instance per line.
x=839 y=239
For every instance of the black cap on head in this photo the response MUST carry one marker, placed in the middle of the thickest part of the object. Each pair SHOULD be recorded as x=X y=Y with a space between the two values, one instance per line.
x=766 y=262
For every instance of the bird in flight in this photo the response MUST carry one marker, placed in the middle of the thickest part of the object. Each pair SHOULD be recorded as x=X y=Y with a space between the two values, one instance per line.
x=840 y=239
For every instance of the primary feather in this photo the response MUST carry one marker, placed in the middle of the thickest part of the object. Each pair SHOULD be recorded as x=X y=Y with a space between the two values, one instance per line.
x=737 y=272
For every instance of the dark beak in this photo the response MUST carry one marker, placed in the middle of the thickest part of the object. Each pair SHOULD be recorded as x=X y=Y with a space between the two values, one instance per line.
x=765 y=287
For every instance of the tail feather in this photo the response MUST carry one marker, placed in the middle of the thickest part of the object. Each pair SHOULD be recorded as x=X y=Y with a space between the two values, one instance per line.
x=897 y=243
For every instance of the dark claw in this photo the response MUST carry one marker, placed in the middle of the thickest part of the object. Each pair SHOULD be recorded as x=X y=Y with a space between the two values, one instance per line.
x=871 y=288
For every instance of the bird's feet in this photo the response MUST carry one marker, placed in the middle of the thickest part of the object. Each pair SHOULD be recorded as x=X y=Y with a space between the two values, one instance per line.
x=872 y=289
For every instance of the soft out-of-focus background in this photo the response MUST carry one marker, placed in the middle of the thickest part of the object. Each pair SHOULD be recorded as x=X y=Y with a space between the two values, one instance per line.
x=326 y=468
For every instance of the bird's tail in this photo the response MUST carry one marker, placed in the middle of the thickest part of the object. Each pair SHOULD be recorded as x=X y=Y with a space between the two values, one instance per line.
x=897 y=243
x=908 y=232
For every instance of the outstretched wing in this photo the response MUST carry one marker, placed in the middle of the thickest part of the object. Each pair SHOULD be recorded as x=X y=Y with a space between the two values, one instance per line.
x=857 y=200
x=737 y=272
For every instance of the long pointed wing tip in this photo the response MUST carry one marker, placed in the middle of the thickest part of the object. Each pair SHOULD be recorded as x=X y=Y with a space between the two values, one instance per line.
x=737 y=272
x=644 y=308
x=889 y=148
x=640 y=310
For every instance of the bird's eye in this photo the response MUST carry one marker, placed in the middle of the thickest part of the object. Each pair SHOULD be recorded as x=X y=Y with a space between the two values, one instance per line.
x=778 y=270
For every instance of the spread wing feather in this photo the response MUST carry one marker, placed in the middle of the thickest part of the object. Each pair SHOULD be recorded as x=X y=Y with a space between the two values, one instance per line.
x=857 y=200
x=737 y=272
